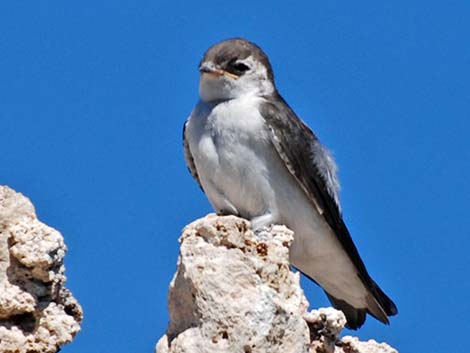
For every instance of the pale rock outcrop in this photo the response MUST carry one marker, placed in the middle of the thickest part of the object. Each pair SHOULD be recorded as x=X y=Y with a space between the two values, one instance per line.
x=37 y=313
x=234 y=292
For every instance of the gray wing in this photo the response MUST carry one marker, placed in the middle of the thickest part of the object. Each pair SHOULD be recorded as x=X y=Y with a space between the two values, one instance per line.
x=305 y=157
x=313 y=167
x=189 y=157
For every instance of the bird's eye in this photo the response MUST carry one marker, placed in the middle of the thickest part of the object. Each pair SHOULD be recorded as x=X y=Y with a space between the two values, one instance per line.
x=239 y=67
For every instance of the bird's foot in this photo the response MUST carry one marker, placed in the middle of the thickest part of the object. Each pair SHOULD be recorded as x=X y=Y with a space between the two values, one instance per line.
x=261 y=230
x=263 y=222
x=226 y=213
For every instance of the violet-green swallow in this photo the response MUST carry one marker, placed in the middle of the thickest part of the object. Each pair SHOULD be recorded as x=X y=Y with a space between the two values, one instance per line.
x=254 y=158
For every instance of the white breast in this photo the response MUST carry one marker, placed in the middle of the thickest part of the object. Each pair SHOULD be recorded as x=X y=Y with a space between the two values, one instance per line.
x=231 y=149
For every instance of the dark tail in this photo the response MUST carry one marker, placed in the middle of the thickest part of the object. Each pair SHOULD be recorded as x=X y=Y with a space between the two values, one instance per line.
x=379 y=305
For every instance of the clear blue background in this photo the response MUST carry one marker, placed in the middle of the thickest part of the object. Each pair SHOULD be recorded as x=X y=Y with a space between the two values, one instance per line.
x=93 y=96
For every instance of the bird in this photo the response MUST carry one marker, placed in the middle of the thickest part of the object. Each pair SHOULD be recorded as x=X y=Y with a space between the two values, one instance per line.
x=255 y=158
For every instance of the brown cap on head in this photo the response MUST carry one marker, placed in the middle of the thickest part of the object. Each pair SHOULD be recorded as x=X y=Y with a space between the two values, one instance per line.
x=231 y=50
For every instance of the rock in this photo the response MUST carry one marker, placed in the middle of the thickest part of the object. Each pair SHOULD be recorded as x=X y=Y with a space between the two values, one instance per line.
x=325 y=325
x=353 y=345
x=37 y=313
x=234 y=292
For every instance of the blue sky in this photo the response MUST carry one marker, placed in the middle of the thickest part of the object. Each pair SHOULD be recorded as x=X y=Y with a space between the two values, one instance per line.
x=93 y=96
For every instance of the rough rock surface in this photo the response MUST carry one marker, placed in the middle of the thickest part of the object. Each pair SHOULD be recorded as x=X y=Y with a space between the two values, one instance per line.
x=37 y=313
x=234 y=292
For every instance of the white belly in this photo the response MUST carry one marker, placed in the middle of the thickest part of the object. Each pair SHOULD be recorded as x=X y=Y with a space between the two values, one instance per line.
x=229 y=145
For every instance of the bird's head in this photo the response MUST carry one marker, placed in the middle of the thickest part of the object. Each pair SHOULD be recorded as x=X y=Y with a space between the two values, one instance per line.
x=235 y=68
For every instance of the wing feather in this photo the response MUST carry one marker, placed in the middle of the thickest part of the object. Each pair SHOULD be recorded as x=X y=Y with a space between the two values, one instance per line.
x=315 y=171
x=189 y=157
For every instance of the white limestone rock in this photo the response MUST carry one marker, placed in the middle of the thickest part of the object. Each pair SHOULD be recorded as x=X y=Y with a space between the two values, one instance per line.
x=353 y=345
x=37 y=313
x=234 y=292
x=325 y=326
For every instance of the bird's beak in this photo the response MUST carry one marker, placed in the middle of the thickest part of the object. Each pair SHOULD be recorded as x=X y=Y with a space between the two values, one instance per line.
x=209 y=68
